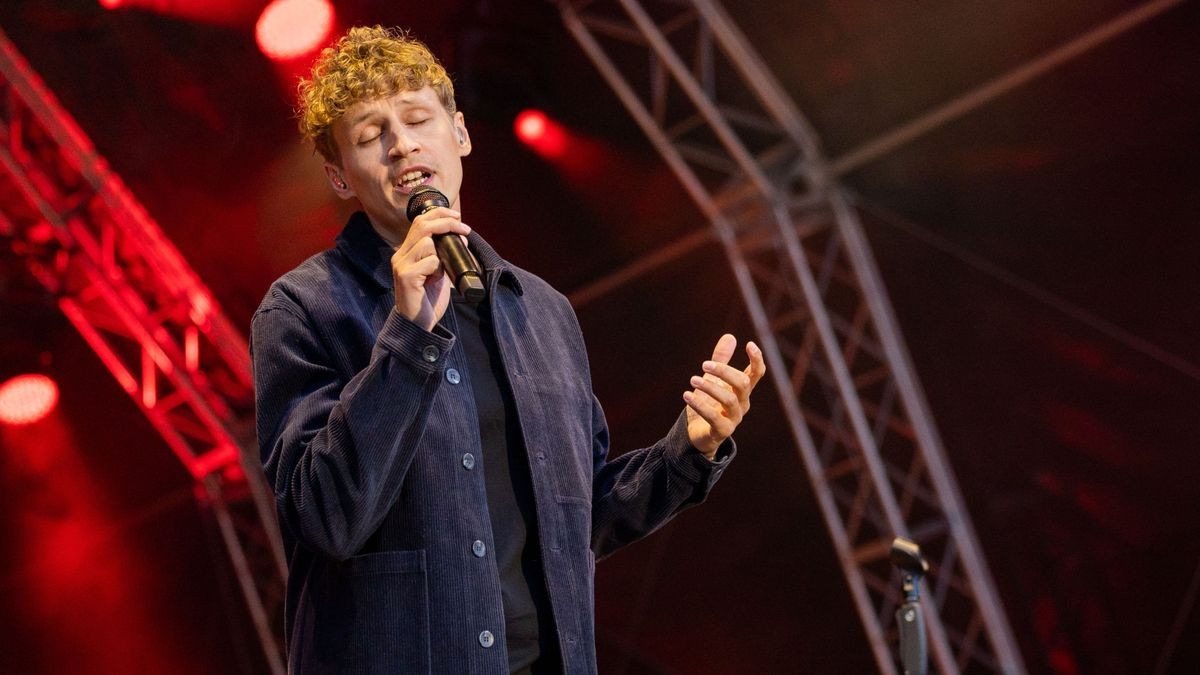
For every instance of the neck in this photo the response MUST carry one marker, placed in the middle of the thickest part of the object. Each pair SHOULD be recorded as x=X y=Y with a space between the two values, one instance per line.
x=392 y=238
x=394 y=235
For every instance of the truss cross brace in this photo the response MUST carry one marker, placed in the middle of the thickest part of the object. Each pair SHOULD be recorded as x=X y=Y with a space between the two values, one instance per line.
x=854 y=407
x=149 y=318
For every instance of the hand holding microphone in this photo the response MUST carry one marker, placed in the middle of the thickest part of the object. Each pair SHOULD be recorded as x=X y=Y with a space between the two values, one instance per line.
x=464 y=273
x=422 y=283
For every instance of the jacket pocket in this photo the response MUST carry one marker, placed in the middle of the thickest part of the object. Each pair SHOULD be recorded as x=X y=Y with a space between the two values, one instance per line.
x=556 y=417
x=575 y=542
x=373 y=615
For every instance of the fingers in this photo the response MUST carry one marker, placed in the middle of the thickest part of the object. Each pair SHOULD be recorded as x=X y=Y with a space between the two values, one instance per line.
x=740 y=381
x=726 y=385
x=417 y=273
x=441 y=220
x=418 y=242
x=721 y=427
x=721 y=397
x=718 y=392
x=428 y=267
x=414 y=249
x=724 y=349
x=719 y=373
x=414 y=259
x=757 y=367
x=737 y=379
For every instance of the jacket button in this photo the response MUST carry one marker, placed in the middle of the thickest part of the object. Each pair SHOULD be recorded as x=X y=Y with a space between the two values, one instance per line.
x=431 y=353
x=452 y=376
x=469 y=461
x=486 y=639
x=479 y=549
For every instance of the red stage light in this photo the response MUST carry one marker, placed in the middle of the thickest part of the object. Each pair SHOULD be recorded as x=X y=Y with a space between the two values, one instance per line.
x=110 y=4
x=530 y=126
x=535 y=129
x=25 y=399
x=288 y=29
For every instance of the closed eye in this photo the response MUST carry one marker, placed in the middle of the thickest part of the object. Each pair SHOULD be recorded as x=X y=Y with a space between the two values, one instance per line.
x=370 y=133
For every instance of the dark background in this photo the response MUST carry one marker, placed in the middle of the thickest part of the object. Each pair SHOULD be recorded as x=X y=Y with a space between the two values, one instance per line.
x=1041 y=253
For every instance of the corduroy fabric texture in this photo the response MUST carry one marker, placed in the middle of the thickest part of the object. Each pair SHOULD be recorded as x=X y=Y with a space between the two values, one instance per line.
x=363 y=439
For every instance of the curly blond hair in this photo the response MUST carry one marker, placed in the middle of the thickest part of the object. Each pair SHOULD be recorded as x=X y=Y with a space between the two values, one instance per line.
x=365 y=63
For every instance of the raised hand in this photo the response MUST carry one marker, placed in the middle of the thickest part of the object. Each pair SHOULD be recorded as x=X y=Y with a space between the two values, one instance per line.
x=721 y=397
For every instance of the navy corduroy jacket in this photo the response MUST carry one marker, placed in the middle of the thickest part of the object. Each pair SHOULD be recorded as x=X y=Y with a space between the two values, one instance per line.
x=365 y=437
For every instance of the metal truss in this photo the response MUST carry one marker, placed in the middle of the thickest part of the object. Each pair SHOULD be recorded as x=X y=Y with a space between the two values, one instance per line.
x=153 y=323
x=854 y=407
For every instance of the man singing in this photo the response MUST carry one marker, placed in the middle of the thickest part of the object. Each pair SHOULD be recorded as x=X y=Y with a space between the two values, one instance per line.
x=440 y=466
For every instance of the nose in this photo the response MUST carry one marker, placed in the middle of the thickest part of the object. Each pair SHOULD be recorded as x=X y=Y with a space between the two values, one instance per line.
x=402 y=145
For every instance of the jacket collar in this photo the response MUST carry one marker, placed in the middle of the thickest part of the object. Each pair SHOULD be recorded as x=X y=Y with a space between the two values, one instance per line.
x=363 y=246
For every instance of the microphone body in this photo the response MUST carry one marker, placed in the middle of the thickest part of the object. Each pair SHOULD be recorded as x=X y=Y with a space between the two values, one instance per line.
x=452 y=252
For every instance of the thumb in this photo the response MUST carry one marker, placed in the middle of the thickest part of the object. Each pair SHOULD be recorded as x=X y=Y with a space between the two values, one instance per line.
x=724 y=349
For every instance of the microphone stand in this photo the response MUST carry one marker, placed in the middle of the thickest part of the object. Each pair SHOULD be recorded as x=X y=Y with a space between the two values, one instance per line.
x=914 y=648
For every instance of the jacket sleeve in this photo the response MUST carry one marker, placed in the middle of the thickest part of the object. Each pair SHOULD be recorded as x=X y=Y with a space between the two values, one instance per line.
x=638 y=492
x=336 y=450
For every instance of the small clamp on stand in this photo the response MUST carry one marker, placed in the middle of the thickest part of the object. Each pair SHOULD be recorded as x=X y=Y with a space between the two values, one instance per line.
x=914 y=656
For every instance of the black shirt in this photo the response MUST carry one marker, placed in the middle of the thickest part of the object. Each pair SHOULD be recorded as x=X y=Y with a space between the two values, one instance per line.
x=529 y=623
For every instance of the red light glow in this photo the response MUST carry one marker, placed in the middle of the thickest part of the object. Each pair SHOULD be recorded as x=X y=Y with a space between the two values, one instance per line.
x=288 y=29
x=531 y=126
x=25 y=399
x=547 y=137
x=232 y=13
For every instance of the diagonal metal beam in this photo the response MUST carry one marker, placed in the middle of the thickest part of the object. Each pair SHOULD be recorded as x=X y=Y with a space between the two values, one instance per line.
x=890 y=141
x=951 y=110
x=853 y=406
x=149 y=318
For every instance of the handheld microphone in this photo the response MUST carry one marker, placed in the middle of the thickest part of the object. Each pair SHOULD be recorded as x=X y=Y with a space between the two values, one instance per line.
x=464 y=273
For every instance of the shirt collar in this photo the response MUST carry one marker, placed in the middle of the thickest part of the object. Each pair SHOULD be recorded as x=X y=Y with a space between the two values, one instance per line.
x=363 y=246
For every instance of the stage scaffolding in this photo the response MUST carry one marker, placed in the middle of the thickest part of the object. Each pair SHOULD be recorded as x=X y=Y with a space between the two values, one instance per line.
x=793 y=239
x=752 y=164
x=153 y=323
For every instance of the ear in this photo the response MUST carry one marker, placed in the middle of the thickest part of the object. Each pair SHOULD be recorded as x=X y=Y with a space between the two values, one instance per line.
x=464 y=138
x=338 y=181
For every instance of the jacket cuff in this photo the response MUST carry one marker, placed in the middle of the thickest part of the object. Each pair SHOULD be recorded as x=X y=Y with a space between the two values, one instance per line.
x=688 y=462
x=424 y=350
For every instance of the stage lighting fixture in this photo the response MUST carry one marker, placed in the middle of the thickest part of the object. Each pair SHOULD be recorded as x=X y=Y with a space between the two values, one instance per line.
x=530 y=126
x=25 y=399
x=288 y=29
x=535 y=129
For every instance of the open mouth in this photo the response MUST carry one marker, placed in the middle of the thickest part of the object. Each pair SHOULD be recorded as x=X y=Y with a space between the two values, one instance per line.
x=412 y=179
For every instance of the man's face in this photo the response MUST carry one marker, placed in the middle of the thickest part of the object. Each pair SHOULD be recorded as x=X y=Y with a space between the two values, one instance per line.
x=391 y=145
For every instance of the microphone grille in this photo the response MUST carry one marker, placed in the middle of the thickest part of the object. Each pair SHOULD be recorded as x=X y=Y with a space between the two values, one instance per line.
x=423 y=199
